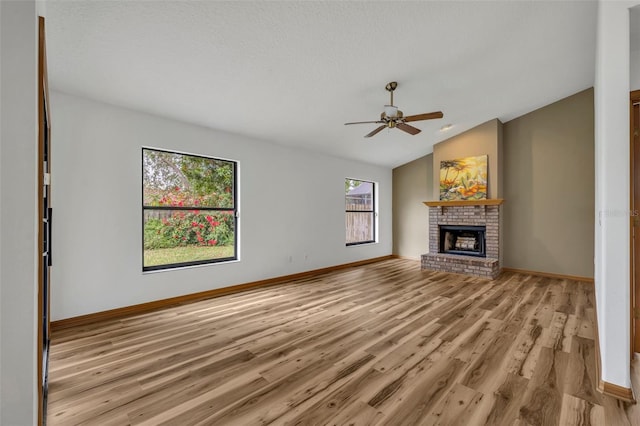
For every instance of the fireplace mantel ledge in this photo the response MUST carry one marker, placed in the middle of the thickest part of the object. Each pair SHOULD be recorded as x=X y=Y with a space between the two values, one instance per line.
x=491 y=202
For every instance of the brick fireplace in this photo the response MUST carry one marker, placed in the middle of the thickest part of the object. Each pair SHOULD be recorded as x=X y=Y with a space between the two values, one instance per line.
x=464 y=237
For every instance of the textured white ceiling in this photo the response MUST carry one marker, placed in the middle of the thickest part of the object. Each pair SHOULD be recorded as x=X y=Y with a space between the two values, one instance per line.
x=293 y=72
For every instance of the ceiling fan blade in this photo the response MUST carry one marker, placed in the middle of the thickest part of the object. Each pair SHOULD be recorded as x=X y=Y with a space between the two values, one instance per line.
x=375 y=132
x=364 y=122
x=409 y=129
x=427 y=116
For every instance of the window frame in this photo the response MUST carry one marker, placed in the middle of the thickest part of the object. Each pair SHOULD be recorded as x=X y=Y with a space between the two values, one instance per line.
x=373 y=212
x=234 y=208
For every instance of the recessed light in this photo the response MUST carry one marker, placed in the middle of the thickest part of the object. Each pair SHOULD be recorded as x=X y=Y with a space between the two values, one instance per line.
x=446 y=127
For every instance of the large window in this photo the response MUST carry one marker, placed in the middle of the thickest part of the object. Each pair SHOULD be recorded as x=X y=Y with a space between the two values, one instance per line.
x=188 y=209
x=360 y=211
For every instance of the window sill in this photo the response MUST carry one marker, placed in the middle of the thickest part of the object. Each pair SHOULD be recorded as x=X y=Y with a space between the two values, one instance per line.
x=178 y=268
x=364 y=243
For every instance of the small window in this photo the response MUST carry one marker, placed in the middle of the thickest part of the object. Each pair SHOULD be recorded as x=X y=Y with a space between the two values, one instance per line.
x=360 y=211
x=189 y=212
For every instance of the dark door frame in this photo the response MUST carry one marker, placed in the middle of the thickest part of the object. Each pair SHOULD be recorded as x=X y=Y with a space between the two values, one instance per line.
x=634 y=218
x=44 y=223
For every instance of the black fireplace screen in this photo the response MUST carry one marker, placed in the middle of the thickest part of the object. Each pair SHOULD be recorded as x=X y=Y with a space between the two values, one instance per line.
x=465 y=240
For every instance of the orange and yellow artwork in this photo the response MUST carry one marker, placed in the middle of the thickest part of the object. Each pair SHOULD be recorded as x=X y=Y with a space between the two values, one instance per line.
x=464 y=179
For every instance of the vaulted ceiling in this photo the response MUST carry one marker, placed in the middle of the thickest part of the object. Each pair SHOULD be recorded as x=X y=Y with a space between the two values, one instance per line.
x=293 y=72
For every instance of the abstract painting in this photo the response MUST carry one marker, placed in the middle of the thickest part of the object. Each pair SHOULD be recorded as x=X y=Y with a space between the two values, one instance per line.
x=464 y=179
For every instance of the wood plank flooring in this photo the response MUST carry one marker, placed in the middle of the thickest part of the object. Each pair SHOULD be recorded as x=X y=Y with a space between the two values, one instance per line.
x=384 y=344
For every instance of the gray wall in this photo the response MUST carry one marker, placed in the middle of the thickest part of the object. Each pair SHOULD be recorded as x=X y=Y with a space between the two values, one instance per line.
x=18 y=212
x=543 y=166
x=549 y=193
x=412 y=184
x=277 y=235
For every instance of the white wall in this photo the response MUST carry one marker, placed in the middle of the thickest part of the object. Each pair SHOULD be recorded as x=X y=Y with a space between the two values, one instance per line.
x=291 y=203
x=612 y=278
x=635 y=70
x=18 y=277
x=634 y=34
x=1 y=231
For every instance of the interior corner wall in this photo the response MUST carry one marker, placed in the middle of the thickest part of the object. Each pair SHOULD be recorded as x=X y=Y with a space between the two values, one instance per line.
x=549 y=198
x=18 y=220
x=612 y=185
x=291 y=205
x=412 y=185
x=1 y=231
x=481 y=140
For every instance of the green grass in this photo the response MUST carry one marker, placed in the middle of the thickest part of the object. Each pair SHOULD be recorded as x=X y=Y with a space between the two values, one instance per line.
x=185 y=254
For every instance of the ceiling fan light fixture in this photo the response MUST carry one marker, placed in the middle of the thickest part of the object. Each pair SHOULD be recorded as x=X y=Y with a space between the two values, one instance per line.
x=391 y=111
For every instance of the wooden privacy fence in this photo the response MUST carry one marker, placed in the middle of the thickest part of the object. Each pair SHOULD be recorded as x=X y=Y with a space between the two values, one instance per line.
x=167 y=214
x=359 y=226
x=157 y=214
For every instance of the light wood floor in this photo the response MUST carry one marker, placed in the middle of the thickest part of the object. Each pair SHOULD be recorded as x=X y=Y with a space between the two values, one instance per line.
x=384 y=343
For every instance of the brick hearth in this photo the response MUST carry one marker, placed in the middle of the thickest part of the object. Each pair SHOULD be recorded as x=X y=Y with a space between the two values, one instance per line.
x=478 y=213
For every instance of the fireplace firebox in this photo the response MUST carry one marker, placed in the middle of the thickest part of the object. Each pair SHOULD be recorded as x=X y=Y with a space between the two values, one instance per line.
x=464 y=240
x=467 y=216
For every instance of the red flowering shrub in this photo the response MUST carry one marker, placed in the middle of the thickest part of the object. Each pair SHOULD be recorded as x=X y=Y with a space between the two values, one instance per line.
x=180 y=198
x=191 y=227
x=188 y=227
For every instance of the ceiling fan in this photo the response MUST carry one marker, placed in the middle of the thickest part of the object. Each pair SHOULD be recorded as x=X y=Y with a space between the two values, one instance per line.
x=392 y=117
